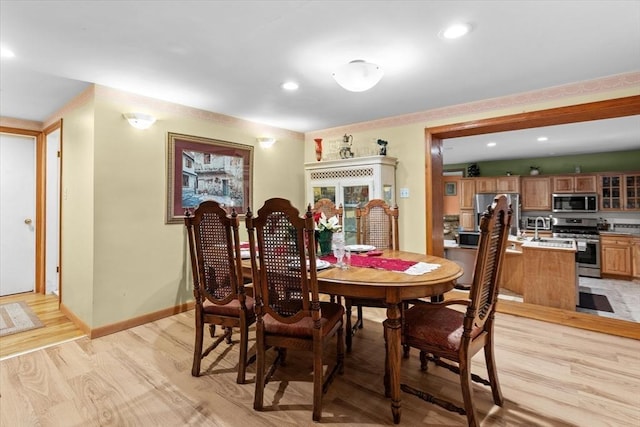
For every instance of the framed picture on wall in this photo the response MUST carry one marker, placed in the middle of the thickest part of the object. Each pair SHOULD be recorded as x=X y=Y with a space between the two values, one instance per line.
x=450 y=188
x=201 y=169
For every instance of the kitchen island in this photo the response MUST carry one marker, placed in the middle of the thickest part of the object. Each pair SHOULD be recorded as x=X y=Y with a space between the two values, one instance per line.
x=550 y=276
x=544 y=272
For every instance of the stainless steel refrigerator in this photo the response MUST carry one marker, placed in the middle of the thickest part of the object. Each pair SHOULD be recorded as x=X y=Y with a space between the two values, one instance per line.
x=482 y=200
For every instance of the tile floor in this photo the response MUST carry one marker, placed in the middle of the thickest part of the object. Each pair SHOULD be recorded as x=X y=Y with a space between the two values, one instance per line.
x=624 y=297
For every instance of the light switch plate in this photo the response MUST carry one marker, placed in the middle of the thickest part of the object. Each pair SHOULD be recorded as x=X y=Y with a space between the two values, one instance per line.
x=404 y=193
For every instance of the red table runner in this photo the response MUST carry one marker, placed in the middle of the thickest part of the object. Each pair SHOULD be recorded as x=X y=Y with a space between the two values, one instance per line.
x=391 y=264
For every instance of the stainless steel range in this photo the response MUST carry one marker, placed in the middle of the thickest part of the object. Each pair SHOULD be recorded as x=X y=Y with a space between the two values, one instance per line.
x=585 y=232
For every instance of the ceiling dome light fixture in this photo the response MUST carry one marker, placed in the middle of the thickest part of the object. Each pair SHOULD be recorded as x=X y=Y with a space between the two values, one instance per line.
x=358 y=75
x=455 y=31
x=139 y=120
x=290 y=86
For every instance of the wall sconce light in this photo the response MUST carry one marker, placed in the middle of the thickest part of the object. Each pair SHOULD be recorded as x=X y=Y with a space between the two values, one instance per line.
x=358 y=75
x=266 y=142
x=139 y=120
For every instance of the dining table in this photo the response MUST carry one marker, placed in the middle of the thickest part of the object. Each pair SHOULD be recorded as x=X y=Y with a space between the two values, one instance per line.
x=380 y=278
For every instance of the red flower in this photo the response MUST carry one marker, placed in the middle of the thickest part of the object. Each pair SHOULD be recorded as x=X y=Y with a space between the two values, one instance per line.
x=317 y=216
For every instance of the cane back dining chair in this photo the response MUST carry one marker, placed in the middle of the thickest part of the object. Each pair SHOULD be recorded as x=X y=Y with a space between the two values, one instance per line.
x=441 y=332
x=376 y=225
x=220 y=300
x=289 y=312
x=329 y=209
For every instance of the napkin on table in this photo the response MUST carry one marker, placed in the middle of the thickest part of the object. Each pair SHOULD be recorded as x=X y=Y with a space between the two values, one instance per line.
x=421 y=268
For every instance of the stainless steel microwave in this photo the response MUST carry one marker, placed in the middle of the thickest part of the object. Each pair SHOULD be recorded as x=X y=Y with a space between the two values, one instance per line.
x=574 y=202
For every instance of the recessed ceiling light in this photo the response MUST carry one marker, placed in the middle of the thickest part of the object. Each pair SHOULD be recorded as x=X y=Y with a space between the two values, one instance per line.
x=542 y=138
x=6 y=53
x=290 y=86
x=455 y=31
x=491 y=144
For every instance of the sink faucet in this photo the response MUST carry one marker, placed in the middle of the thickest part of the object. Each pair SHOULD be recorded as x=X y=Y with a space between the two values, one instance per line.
x=536 y=237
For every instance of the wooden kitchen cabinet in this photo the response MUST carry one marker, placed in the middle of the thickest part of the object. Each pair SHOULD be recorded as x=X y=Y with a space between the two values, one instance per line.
x=467 y=190
x=549 y=277
x=616 y=252
x=575 y=183
x=499 y=184
x=486 y=185
x=467 y=219
x=508 y=184
x=635 y=257
x=619 y=192
x=610 y=191
x=536 y=193
x=512 y=273
x=632 y=192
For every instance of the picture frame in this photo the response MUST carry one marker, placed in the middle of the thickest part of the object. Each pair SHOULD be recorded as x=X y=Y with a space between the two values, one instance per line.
x=450 y=188
x=200 y=169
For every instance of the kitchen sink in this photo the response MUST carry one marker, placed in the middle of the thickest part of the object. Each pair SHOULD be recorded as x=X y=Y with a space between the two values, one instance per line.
x=555 y=243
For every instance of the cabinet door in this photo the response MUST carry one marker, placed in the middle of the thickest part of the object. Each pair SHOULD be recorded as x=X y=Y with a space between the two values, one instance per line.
x=327 y=191
x=467 y=191
x=632 y=192
x=610 y=192
x=635 y=257
x=351 y=196
x=508 y=184
x=585 y=183
x=536 y=193
x=467 y=221
x=616 y=255
x=562 y=184
x=485 y=185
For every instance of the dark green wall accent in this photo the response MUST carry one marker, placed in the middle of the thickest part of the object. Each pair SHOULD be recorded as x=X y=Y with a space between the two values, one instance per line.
x=589 y=163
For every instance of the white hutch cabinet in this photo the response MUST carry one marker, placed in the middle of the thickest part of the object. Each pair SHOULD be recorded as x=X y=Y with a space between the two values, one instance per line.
x=348 y=182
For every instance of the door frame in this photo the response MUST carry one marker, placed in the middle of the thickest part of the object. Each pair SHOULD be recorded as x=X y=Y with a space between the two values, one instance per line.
x=619 y=107
x=40 y=202
x=611 y=108
x=45 y=132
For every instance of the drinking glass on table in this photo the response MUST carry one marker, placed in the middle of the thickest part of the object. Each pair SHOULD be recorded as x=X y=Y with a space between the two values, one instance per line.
x=337 y=242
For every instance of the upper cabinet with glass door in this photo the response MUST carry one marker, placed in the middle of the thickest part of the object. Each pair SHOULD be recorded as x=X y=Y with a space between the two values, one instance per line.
x=349 y=182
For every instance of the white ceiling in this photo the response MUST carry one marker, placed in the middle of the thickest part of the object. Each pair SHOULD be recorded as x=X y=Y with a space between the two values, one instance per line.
x=598 y=136
x=230 y=57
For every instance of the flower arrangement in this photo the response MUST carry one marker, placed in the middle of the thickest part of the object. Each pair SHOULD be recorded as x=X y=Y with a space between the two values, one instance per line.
x=324 y=224
x=324 y=229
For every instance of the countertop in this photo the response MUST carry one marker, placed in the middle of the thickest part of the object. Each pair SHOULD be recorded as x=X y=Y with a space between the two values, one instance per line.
x=555 y=244
x=621 y=232
x=548 y=243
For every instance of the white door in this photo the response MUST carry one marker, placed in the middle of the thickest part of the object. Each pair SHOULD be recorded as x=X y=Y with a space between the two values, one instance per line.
x=17 y=214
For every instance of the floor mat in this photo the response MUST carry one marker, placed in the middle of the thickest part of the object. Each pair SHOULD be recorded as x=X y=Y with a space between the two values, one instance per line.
x=594 y=302
x=17 y=317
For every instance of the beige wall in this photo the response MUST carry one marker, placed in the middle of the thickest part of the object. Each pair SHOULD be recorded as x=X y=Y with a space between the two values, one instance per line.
x=120 y=260
x=406 y=138
x=77 y=255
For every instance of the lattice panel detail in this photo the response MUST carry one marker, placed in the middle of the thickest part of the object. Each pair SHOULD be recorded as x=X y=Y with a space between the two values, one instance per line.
x=342 y=173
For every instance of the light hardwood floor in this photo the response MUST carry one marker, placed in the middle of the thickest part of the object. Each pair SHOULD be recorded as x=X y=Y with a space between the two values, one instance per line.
x=57 y=327
x=551 y=375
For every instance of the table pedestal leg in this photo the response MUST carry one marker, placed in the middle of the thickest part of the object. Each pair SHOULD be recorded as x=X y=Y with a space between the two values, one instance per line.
x=392 y=337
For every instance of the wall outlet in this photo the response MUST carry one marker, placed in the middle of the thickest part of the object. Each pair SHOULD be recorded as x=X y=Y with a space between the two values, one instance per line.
x=404 y=193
